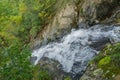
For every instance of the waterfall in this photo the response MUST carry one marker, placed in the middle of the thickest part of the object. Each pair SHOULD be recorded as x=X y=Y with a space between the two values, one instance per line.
x=76 y=49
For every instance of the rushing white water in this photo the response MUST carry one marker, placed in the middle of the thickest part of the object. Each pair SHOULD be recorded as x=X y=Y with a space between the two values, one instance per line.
x=77 y=48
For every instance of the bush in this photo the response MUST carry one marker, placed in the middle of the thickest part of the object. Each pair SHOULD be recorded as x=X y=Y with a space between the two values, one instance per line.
x=15 y=64
x=20 y=22
x=24 y=19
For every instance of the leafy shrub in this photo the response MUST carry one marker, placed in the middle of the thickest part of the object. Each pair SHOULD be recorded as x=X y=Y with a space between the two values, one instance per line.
x=24 y=19
x=21 y=21
x=15 y=64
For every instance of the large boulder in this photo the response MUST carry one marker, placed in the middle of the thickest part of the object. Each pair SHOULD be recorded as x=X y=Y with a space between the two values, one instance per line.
x=53 y=67
x=92 y=73
x=98 y=10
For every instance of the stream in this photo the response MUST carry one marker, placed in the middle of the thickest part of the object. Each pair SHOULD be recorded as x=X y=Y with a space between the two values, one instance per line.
x=76 y=49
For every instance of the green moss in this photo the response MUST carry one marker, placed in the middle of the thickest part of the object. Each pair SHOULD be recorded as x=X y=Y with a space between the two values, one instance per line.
x=118 y=20
x=68 y=78
x=41 y=74
x=104 y=61
x=108 y=60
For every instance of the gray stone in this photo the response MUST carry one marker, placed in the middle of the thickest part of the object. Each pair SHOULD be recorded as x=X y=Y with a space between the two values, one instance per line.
x=33 y=59
x=98 y=10
x=99 y=44
x=53 y=67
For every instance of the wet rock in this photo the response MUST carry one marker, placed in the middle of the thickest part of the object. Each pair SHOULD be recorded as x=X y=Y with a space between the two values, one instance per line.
x=92 y=73
x=53 y=67
x=99 y=43
x=96 y=10
x=33 y=59
x=83 y=25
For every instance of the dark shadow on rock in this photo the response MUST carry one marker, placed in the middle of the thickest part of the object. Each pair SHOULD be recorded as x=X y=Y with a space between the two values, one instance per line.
x=54 y=68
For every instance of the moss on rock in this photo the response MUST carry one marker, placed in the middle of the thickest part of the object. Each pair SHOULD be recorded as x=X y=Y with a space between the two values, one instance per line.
x=108 y=60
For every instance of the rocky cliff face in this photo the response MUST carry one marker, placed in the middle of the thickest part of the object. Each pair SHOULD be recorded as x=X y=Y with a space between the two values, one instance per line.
x=99 y=9
x=60 y=25
x=74 y=12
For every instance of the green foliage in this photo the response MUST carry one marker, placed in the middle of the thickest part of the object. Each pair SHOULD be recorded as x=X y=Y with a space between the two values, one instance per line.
x=15 y=64
x=43 y=75
x=67 y=78
x=20 y=22
x=108 y=60
x=40 y=74
x=104 y=61
x=24 y=19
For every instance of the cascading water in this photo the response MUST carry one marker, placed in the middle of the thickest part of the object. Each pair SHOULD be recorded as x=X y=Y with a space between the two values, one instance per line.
x=77 y=48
